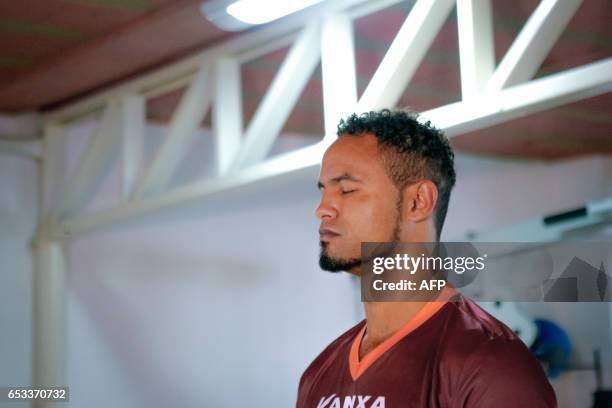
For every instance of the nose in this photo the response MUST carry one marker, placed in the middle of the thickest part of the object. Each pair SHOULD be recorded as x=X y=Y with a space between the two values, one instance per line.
x=326 y=209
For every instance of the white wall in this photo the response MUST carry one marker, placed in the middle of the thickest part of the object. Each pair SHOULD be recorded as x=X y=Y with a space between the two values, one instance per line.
x=223 y=304
x=18 y=200
x=221 y=310
x=493 y=193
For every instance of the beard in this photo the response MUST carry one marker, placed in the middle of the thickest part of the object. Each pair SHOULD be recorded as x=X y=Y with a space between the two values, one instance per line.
x=332 y=264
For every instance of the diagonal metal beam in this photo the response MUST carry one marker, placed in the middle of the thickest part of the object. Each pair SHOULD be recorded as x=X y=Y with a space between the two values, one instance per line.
x=132 y=134
x=405 y=54
x=190 y=112
x=533 y=43
x=94 y=164
x=281 y=97
x=227 y=113
x=338 y=70
x=476 y=46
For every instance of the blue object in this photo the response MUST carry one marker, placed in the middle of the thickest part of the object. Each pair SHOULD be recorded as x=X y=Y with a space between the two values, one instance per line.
x=552 y=346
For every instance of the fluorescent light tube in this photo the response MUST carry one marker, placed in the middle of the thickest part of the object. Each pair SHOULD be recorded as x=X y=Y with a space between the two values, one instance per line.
x=264 y=11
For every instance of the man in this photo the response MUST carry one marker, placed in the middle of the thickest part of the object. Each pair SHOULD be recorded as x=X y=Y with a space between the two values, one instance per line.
x=388 y=178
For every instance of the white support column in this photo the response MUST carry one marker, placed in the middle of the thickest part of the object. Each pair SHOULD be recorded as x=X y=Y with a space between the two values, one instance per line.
x=405 y=54
x=476 y=45
x=133 y=122
x=48 y=331
x=338 y=71
x=533 y=43
x=537 y=95
x=227 y=113
x=185 y=122
x=94 y=164
x=281 y=97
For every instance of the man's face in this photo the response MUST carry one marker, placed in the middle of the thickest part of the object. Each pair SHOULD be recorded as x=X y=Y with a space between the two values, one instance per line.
x=359 y=202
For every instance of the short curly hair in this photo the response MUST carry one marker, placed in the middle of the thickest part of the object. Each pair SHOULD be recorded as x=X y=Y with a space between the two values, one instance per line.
x=411 y=151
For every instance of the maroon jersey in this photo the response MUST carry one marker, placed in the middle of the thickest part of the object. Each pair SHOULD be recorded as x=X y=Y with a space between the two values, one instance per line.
x=451 y=354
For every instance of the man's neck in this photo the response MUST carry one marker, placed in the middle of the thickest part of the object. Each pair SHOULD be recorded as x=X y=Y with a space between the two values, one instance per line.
x=385 y=318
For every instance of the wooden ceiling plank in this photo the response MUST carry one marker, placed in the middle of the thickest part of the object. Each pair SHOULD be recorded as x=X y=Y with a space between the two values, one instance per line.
x=14 y=61
x=133 y=5
x=77 y=70
x=41 y=30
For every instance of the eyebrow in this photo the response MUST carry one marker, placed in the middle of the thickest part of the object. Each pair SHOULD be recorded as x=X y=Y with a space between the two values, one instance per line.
x=335 y=180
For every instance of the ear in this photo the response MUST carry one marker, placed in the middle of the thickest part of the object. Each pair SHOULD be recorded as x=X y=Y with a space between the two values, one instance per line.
x=419 y=200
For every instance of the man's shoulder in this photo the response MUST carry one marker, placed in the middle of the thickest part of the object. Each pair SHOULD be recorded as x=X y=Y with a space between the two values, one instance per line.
x=475 y=340
x=468 y=326
x=487 y=362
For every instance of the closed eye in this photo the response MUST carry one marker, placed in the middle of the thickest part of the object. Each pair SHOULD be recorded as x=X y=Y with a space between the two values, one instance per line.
x=348 y=191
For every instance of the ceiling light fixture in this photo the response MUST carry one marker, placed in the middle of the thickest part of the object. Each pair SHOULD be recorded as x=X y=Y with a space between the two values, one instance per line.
x=232 y=15
x=264 y=11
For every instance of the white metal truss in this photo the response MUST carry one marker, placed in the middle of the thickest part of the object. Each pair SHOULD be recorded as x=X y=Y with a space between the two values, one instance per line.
x=190 y=112
x=490 y=95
